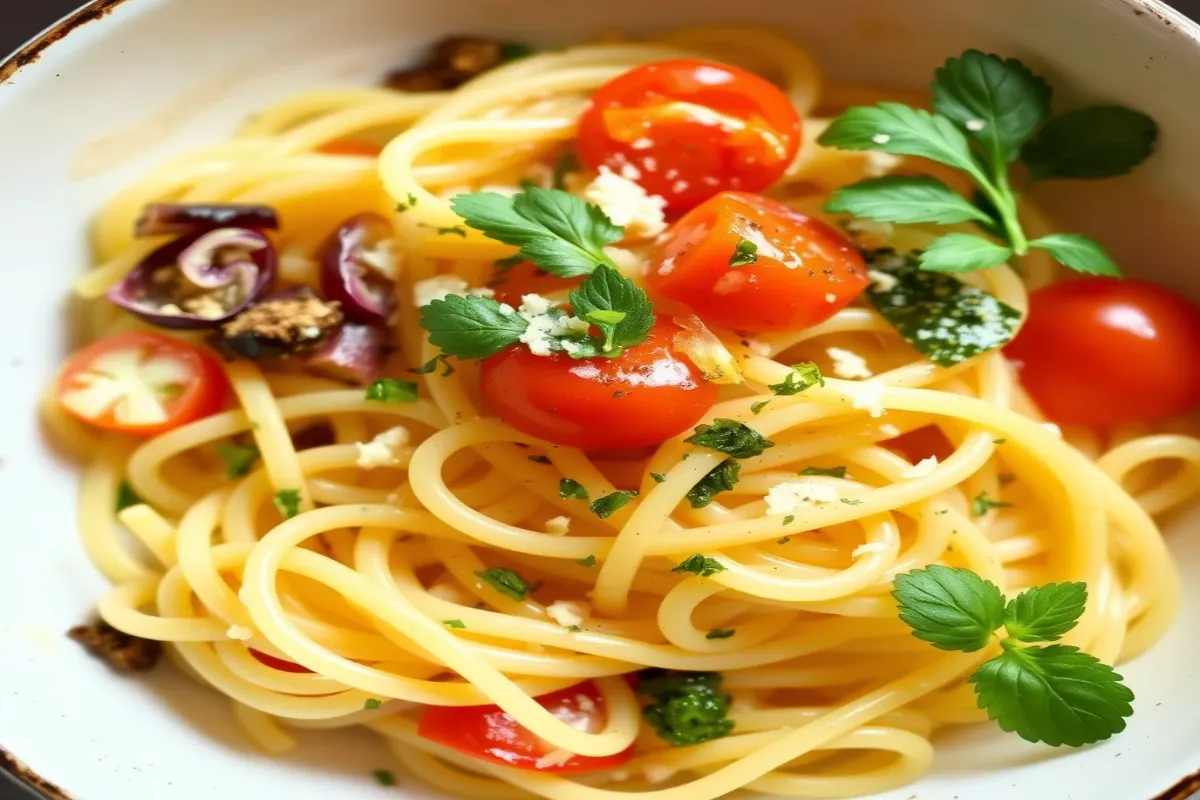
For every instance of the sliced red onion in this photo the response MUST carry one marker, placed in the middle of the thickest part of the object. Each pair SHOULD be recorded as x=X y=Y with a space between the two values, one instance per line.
x=355 y=354
x=199 y=281
x=179 y=219
x=358 y=268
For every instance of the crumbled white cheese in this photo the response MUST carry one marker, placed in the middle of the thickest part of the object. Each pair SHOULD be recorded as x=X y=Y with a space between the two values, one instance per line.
x=867 y=395
x=546 y=326
x=627 y=204
x=667 y=266
x=847 y=364
x=585 y=703
x=657 y=773
x=922 y=468
x=974 y=125
x=240 y=633
x=555 y=758
x=383 y=450
x=629 y=172
x=881 y=138
x=439 y=287
x=884 y=281
x=568 y=612
x=644 y=143
x=785 y=498
x=830 y=297
x=559 y=526
x=868 y=548
x=384 y=258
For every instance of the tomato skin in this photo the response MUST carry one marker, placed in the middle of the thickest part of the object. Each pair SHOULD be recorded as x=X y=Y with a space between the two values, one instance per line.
x=278 y=663
x=922 y=443
x=644 y=396
x=490 y=734
x=349 y=147
x=525 y=278
x=689 y=129
x=691 y=266
x=1102 y=351
x=205 y=392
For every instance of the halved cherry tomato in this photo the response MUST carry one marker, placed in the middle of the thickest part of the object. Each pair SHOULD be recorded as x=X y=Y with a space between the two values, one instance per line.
x=644 y=396
x=278 y=663
x=1103 y=351
x=795 y=271
x=688 y=129
x=525 y=278
x=921 y=443
x=143 y=383
x=490 y=734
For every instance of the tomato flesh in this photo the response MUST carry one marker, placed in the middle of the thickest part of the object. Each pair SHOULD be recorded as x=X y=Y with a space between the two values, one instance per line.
x=278 y=663
x=1102 y=351
x=644 y=396
x=525 y=278
x=802 y=274
x=490 y=734
x=687 y=129
x=143 y=383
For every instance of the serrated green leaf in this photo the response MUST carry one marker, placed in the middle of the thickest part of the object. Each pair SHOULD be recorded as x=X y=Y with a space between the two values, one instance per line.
x=1078 y=252
x=471 y=326
x=904 y=199
x=992 y=225
x=1045 y=613
x=963 y=252
x=952 y=609
x=606 y=291
x=997 y=101
x=721 y=478
x=1096 y=142
x=898 y=129
x=1055 y=694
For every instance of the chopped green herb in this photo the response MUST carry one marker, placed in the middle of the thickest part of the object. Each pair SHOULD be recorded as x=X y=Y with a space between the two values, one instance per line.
x=454 y=623
x=569 y=489
x=605 y=507
x=238 y=458
x=573 y=629
x=432 y=364
x=567 y=163
x=412 y=202
x=850 y=502
x=982 y=504
x=803 y=376
x=720 y=633
x=390 y=390
x=721 y=478
x=733 y=438
x=744 y=254
x=700 y=565
x=456 y=230
x=126 y=496
x=688 y=707
x=371 y=704
x=384 y=777
x=540 y=459
x=506 y=582
x=658 y=477
x=288 y=502
x=759 y=406
x=589 y=561
x=832 y=472
x=789 y=519
x=785 y=539
x=513 y=51
x=999 y=441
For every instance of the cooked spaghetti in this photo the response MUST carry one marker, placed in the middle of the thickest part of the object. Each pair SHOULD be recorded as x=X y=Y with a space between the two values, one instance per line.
x=326 y=558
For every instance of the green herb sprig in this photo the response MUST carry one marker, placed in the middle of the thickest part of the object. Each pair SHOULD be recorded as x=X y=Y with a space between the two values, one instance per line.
x=688 y=707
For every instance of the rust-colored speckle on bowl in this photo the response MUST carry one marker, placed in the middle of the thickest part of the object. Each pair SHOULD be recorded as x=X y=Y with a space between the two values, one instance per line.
x=26 y=776
x=33 y=51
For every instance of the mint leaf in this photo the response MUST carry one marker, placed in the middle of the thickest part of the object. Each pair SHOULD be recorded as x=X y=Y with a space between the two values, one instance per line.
x=917 y=304
x=898 y=129
x=606 y=293
x=506 y=582
x=952 y=609
x=557 y=231
x=699 y=565
x=745 y=253
x=605 y=507
x=999 y=102
x=390 y=390
x=803 y=376
x=287 y=501
x=1078 y=252
x=904 y=199
x=1096 y=142
x=1054 y=694
x=733 y=438
x=722 y=478
x=963 y=252
x=1045 y=613
x=570 y=489
x=238 y=458
x=471 y=327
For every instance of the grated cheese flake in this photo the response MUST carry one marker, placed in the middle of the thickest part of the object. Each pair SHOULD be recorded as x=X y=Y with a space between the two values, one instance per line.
x=847 y=364
x=383 y=450
x=627 y=204
x=786 y=498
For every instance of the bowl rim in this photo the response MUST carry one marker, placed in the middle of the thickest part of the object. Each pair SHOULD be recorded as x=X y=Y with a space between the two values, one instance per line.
x=12 y=769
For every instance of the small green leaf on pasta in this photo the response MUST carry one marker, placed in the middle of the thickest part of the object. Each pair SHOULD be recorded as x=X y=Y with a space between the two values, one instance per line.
x=605 y=507
x=803 y=376
x=699 y=565
x=658 y=477
x=126 y=497
x=454 y=623
x=384 y=777
x=390 y=390
x=506 y=582
x=720 y=633
x=952 y=609
x=589 y=561
x=832 y=472
x=722 y=478
x=371 y=704
x=239 y=459
x=570 y=489
x=982 y=504
x=731 y=437
x=1045 y=613
x=287 y=501
x=904 y=199
x=471 y=327
x=963 y=252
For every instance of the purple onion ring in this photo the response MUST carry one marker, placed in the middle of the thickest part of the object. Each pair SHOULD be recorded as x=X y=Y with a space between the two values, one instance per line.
x=357 y=269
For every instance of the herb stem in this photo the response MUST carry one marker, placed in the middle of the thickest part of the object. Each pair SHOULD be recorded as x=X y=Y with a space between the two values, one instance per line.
x=1005 y=200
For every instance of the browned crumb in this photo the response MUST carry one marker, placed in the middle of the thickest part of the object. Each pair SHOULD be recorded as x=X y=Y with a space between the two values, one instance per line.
x=453 y=62
x=123 y=652
x=281 y=326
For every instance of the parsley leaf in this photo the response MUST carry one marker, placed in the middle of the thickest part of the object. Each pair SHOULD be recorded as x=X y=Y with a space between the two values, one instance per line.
x=788 y=520
x=832 y=472
x=730 y=437
x=506 y=582
x=658 y=477
x=390 y=390
x=1054 y=694
x=903 y=131
x=569 y=489
x=431 y=366
x=759 y=406
x=371 y=704
x=982 y=504
x=688 y=707
x=721 y=479
x=471 y=327
x=699 y=565
x=454 y=623
x=607 y=293
x=905 y=199
x=1079 y=252
x=288 y=502
x=963 y=252
x=1045 y=613
x=605 y=507
x=1096 y=142
x=952 y=609
x=127 y=497
x=999 y=102
x=590 y=561
x=557 y=231
x=848 y=501
x=720 y=633
x=239 y=459
x=803 y=376
x=745 y=253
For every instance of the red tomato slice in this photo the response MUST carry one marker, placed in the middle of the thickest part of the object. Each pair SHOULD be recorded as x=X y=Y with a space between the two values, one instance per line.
x=142 y=383
x=278 y=663
x=688 y=129
x=644 y=396
x=1103 y=351
x=802 y=271
x=490 y=734
x=350 y=148
x=525 y=278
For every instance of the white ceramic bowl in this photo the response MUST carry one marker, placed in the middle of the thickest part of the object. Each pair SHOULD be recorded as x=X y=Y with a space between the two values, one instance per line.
x=134 y=81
